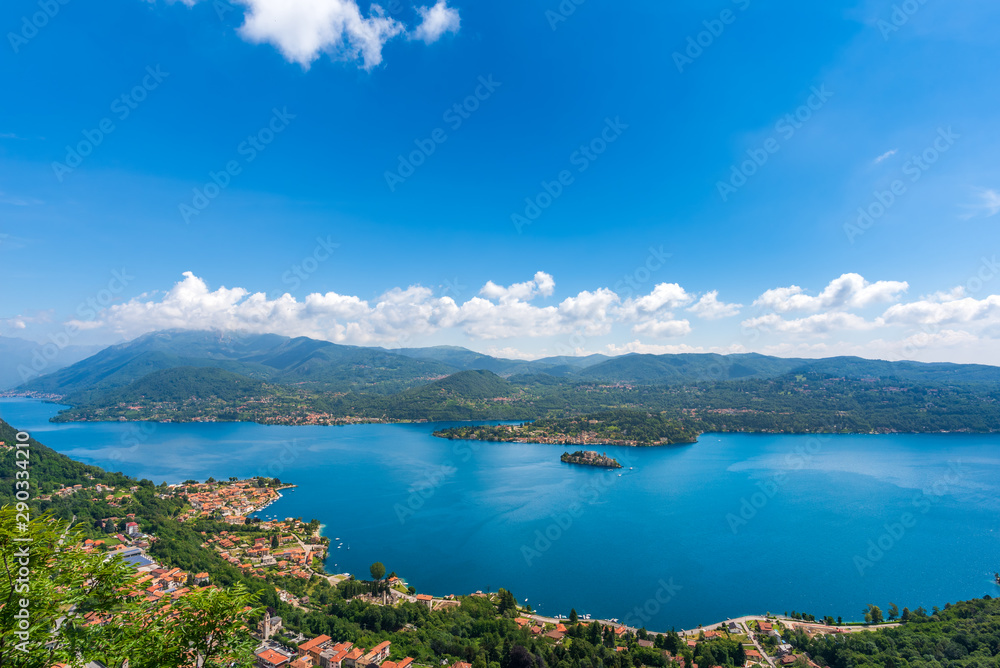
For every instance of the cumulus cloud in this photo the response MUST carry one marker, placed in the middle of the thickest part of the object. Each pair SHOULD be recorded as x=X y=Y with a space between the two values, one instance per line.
x=662 y=329
x=400 y=314
x=542 y=284
x=847 y=291
x=303 y=29
x=519 y=312
x=965 y=310
x=436 y=21
x=710 y=308
x=821 y=323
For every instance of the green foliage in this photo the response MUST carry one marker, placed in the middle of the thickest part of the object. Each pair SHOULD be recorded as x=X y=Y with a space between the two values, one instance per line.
x=621 y=427
x=963 y=635
x=62 y=582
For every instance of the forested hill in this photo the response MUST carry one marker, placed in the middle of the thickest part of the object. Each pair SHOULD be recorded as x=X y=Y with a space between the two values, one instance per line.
x=183 y=376
x=325 y=366
x=48 y=470
x=963 y=635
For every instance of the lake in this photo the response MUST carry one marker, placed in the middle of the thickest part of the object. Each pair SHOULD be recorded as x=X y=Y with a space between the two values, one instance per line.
x=686 y=535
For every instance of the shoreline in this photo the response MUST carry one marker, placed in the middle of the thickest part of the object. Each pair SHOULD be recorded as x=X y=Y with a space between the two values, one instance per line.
x=270 y=503
x=348 y=421
x=288 y=486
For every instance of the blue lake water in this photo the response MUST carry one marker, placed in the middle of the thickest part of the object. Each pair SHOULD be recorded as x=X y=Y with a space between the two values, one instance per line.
x=687 y=535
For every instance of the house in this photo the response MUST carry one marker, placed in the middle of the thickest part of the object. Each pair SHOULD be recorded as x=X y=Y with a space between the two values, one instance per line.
x=268 y=658
x=201 y=578
x=352 y=657
x=461 y=664
x=332 y=657
x=426 y=599
x=555 y=635
x=646 y=643
x=379 y=654
x=132 y=529
x=788 y=659
x=405 y=663
x=765 y=627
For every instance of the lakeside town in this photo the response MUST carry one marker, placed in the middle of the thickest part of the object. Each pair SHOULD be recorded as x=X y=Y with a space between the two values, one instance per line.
x=289 y=549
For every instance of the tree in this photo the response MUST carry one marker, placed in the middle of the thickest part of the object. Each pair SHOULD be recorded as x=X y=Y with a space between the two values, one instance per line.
x=873 y=615
x=377 y=570
x=573 y=617
x=906 y=615
x=893 y=611
x=507 y=602
x=274 y=542
x=204 y=627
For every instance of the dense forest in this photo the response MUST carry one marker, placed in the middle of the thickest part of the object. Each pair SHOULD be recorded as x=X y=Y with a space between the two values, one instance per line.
x=791 y=403
x=184 y=376
x=621 y=427
x=963 y=635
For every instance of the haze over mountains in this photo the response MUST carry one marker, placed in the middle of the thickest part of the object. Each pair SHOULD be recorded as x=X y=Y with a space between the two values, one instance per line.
x=21 y=360
x=183 y=375
x=322 y=365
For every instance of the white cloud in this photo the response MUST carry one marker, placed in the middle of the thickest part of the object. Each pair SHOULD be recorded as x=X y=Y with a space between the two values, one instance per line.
x=988 y=204
x=935 y=325
x=436 y=21
x=669 y=349
x=710 y=308
x=847 y=291
x=510 y=353
x=303 y=29
x=966 y=310
x=886 y=155
x=664 y=295
x=662 y=329
x=821 y=323
x=543 y=284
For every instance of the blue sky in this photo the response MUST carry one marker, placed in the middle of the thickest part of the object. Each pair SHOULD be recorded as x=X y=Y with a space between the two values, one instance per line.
x=713 y=156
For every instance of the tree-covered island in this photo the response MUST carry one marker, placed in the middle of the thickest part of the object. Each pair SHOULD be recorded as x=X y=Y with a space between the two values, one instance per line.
x=590 y=458
x=622 y=427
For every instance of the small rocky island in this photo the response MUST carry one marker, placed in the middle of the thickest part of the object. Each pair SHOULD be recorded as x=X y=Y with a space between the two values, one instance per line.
x=590 y=458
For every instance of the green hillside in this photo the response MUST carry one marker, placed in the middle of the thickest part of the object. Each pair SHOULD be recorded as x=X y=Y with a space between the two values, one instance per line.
x=610 y=427
x=466 y=395
x=963 y=635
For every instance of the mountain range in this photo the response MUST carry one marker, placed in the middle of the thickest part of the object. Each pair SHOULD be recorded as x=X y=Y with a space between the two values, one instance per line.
x=183 y=374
